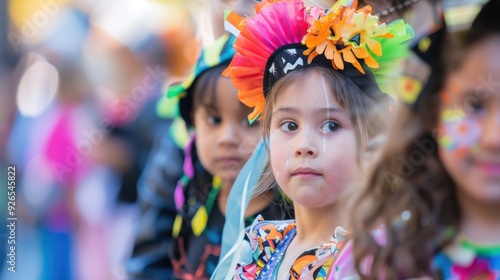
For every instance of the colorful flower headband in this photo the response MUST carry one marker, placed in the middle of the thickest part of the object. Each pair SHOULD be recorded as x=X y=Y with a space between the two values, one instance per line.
x=285 y=36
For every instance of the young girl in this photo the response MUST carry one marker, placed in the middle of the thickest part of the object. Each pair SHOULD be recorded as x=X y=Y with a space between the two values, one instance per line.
x=436 y=189
x=221 y=139
x=319 y=104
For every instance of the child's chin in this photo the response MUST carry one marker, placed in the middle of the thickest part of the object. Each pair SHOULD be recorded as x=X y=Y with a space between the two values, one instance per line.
x=228 y=175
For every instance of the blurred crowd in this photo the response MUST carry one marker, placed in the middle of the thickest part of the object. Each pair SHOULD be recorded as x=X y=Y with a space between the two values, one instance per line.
x=82 y=85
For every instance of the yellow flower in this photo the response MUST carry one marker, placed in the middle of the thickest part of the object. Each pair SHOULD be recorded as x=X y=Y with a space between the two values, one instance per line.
x=345 y=35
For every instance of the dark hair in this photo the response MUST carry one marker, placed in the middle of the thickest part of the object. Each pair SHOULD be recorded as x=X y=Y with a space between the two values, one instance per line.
x=485 y=24
x=369 y=116
x=201 y=93
x=410 y=192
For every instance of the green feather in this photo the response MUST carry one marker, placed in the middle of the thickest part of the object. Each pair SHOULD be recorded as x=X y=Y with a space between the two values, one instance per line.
x=394 y=51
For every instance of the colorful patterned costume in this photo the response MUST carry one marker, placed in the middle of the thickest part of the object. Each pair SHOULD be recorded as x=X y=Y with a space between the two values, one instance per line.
x=262 y=243
x=464 y=260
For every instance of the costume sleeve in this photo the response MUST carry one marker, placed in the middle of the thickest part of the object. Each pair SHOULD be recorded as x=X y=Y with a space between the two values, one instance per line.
x=156 y=187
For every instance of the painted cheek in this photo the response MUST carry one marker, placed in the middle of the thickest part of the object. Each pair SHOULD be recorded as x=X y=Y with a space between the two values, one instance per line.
x=459 y=134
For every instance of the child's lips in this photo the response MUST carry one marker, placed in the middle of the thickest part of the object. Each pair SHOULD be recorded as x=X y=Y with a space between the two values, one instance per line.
x=229 y=161
x=305 y=172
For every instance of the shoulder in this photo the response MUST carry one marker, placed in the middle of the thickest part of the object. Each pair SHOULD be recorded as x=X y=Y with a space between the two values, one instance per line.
x=261 y=240
x=268 y=230
x=344 y=263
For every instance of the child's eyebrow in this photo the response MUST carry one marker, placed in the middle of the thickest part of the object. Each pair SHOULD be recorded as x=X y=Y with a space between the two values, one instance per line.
x=331 y=110
x=281 y=110
x=293 y=110
x=209 y=107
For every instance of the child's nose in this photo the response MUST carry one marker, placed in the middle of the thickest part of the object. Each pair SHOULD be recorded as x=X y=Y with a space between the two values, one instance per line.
x=228 y=134
x=491 y=134
x=305 y=146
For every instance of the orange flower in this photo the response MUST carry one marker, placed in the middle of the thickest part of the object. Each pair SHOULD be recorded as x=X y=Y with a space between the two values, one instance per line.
x=345 y=35
x=265 y=3
x=319 y=32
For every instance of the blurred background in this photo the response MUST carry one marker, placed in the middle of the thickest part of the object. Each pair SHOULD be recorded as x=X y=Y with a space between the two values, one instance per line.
x=81 y=87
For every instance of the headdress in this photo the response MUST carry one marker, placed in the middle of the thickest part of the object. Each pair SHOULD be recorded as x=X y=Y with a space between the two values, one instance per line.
x=218 y=53
x=284 y=36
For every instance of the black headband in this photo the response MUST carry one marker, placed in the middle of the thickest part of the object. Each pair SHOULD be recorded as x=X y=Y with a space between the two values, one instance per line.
x=290 y=57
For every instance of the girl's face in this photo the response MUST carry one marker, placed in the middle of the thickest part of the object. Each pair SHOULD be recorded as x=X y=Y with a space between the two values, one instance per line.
x=312 y=144
x=224 y=139
x=469 y=125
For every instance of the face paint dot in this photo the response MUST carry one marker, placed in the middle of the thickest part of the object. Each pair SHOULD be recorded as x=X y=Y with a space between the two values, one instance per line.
x=445 y=142
x=463 y=128
x=406 y=215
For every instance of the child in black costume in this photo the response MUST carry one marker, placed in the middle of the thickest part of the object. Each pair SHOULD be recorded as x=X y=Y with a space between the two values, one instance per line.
x=180 y=232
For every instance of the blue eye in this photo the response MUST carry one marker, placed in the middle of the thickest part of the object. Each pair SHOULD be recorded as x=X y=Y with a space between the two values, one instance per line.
x=214 y=119
x=330 y=126
x=289 y=126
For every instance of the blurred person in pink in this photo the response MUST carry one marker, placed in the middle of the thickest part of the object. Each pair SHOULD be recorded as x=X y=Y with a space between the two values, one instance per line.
x=129 y=63
x=47 y=145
